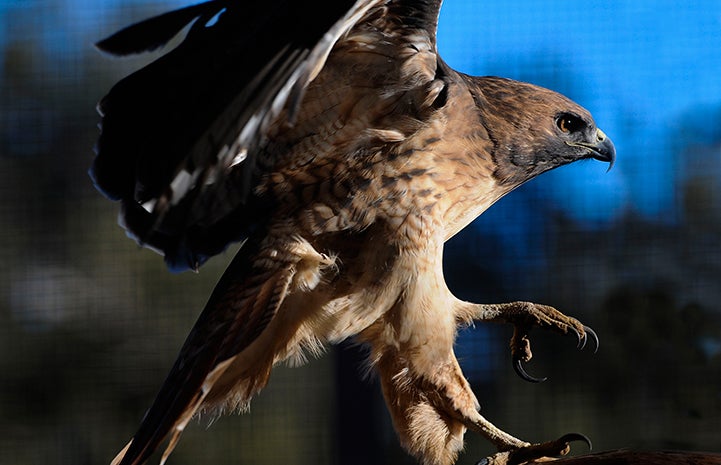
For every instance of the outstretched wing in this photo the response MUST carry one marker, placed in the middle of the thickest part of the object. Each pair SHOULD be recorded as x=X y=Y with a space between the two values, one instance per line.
x=183 y=140
x=179 y=137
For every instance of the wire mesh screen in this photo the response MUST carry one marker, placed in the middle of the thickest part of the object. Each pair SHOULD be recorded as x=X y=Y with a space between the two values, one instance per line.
x=90 y=324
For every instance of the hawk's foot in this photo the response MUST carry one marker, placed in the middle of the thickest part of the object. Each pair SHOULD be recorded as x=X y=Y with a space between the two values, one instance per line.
x=546 y=451
x=546 y=317
x=526 y=315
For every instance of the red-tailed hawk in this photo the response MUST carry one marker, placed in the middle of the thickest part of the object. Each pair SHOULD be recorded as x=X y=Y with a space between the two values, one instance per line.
x=333 y=140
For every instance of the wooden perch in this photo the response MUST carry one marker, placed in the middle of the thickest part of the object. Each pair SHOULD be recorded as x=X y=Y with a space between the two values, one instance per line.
x=630 y=457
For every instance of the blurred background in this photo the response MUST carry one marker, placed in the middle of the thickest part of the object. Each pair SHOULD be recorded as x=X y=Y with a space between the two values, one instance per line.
x=90 y=324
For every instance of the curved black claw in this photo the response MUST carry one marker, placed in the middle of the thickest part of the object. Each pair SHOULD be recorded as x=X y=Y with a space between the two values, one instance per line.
x=520 y=371
x=570 y=437
x=582 y=340
x=594 y=337
x=521 y=348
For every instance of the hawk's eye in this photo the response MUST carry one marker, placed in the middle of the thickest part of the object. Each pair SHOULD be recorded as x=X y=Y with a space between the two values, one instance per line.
x=567 y=123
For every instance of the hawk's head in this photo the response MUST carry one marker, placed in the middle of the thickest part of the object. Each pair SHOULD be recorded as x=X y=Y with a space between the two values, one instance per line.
x=535 y=129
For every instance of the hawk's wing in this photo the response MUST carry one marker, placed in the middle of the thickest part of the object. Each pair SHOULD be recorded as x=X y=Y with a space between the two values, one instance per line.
x=179 y=137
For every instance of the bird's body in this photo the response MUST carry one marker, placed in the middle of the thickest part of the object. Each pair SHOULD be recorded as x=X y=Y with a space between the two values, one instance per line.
x=345 y=178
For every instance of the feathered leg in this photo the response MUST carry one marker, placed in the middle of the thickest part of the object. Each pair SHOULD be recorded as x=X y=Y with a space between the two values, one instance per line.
x=431 y=411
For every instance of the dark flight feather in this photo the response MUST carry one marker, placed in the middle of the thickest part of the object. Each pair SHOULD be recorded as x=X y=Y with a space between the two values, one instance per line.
x=155 y=32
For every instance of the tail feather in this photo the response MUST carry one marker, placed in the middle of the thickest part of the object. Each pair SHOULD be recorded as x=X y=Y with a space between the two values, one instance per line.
x=121 y=454
x=243 y=303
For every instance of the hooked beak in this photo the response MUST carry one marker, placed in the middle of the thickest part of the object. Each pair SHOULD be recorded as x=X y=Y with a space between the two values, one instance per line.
x=602 y=150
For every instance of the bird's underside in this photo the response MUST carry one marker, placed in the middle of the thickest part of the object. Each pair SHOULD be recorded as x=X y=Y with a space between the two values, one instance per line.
x=345 y=172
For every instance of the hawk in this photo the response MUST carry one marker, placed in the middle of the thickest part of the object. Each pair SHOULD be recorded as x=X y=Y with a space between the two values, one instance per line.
x=331 y=139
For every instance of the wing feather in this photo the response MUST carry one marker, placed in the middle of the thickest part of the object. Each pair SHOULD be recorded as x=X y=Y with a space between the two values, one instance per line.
x=155 y=32
x=202 y=108
x=182 y=138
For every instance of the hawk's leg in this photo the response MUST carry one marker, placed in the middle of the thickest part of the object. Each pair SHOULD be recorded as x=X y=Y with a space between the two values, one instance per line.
x=456 y=397
x=431 y=411
x=460 y=401
x=524 y=316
